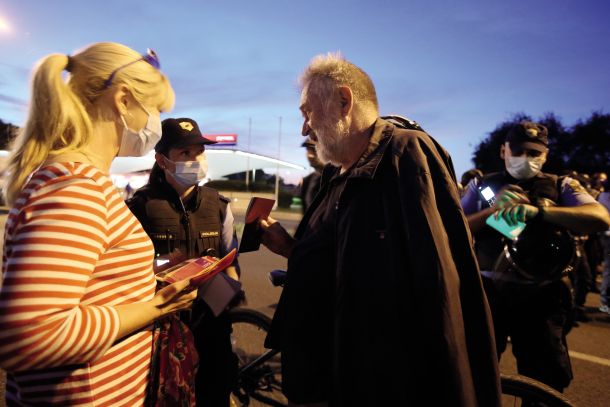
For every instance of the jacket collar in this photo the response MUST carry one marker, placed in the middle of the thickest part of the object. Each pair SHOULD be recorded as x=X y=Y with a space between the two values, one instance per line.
x=367 y=164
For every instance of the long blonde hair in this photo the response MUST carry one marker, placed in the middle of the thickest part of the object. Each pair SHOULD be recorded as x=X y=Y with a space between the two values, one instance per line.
x=62 y=112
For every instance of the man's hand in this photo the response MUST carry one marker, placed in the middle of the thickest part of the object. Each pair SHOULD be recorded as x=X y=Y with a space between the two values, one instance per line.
x=510 y=196
x=276 y=238
x=517 y=213
x=513 y=205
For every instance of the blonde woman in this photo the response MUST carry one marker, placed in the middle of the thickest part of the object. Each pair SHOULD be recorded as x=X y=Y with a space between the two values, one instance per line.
x=77 y=292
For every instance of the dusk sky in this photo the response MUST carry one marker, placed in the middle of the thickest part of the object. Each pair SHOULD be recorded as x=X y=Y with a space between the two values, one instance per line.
x=457 y=68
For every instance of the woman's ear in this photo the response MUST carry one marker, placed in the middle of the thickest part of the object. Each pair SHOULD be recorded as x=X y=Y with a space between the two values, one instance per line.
x=122 y=100
x=160 y=161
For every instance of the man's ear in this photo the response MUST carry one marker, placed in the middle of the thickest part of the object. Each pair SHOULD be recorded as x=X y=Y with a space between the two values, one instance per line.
x=347 y=100
x=502 y=151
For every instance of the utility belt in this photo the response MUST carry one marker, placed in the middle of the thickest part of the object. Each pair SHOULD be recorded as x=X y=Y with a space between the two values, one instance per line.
x=507 y=271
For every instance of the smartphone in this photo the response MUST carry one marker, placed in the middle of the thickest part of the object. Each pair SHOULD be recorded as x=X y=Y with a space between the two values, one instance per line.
x=488 y=195
x=161 y=261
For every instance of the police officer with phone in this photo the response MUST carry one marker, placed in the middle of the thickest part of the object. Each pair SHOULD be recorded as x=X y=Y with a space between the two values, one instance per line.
x=530 y=302
x=180 y=216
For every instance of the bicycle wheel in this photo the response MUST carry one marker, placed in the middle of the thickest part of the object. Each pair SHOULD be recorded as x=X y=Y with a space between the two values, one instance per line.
x=523 y=391
x=259 y=381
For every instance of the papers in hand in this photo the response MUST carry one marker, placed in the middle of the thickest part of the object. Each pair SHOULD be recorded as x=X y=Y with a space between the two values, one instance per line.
x=259 y=208
x=198 y=270
x=218 y=292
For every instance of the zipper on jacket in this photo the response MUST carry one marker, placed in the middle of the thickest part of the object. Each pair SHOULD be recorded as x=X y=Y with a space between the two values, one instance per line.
x=186 y=222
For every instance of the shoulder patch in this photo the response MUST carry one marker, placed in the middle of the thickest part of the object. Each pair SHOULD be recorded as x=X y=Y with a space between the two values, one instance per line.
x=574 y=185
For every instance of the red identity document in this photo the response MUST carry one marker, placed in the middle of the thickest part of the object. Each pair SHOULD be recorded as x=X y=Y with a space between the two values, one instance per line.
x=257 y=209
x=198 y=270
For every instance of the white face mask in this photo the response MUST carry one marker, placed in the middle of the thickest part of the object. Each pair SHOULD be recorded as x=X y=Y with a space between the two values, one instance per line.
x=524 y=167
x=139 y=143
x=189 y=173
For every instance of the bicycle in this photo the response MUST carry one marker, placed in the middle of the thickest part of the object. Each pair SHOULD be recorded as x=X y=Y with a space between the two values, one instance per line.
x=259 y=380
x=259 y=372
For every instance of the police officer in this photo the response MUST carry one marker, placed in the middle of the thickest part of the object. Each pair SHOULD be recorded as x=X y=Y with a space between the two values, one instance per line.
x=178 y=214
x=310 y=185
x=532 y=312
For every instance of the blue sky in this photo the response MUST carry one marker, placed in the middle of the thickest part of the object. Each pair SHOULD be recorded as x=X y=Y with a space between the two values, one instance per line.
x=458 y=68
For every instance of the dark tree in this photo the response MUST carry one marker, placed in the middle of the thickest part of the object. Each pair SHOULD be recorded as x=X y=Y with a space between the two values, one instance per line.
x=7 y=134
x=588 y=148
x=584 y=148
x=558 y=137
x=486 y=155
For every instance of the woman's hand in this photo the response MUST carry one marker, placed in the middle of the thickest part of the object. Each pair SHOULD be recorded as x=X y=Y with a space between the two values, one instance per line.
x=174 y=297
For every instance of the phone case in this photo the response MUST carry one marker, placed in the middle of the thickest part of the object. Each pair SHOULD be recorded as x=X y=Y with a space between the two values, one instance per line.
x=507 y=230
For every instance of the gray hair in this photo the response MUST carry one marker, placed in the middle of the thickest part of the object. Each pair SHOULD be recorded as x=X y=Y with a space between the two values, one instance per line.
x=325 y=73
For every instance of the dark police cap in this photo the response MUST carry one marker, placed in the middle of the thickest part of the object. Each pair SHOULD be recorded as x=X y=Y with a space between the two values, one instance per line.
x=529 y=134
x=177 y=133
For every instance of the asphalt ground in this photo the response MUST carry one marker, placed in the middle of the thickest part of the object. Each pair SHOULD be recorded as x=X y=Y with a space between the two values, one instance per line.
x=589 y=343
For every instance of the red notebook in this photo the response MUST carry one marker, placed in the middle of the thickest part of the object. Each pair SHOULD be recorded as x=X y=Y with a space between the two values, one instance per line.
x=259 y=208
x=198 y=270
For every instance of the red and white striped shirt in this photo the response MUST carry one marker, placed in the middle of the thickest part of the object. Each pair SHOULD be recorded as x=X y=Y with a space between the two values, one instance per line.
x=72 y=252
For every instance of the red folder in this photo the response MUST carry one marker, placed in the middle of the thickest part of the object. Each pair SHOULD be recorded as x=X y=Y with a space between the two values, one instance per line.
x=198 y=270
x=259 y=208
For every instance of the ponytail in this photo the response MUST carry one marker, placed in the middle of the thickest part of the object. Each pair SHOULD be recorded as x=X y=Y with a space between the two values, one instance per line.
x=57 y=122
x=62 y=112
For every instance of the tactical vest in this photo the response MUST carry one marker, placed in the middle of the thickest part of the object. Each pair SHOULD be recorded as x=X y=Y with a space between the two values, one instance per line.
x=488 y=242
x=196 y=231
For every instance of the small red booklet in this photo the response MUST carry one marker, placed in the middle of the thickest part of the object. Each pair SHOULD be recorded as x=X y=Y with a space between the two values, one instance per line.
x=251 y=237
x=198 y=270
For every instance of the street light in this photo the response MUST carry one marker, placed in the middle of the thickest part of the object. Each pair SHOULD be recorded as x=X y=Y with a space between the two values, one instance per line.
x=4 y=27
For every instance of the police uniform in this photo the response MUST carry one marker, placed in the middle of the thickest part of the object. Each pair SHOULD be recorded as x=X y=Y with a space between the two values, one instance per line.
x=200 y=225
x=534 y=315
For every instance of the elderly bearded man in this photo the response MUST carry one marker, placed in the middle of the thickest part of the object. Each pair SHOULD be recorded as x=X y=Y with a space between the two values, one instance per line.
x=383 y=303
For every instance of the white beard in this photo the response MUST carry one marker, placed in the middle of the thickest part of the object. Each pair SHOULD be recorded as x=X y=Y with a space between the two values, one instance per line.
x=331 y=141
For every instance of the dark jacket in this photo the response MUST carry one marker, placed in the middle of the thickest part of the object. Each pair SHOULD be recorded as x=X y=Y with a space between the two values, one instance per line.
x=412 y=325
x=309 y=189
x=195 y=229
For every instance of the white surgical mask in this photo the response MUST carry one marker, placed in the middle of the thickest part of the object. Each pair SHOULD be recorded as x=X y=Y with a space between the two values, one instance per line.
x=524 y=167
x=139 y=143
x=189 y=173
